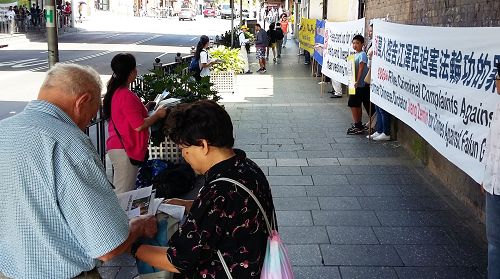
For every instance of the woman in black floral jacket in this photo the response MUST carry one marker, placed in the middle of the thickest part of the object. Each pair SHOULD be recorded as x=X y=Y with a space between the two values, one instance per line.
x=223 y=216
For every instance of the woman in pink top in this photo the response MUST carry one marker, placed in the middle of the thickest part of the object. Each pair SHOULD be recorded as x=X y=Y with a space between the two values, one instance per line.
x=128 y=123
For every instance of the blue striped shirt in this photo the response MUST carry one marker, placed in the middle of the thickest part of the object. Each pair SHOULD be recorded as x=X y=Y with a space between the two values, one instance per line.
x=58 y=212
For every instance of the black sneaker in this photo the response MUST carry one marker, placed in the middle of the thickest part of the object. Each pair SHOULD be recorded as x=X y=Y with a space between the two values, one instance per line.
x=355 y=130
x=259 y=70
x=335 y=96
x=263 y=71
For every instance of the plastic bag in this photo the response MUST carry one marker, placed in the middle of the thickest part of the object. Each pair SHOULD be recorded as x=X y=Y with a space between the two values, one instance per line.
x=276 y=262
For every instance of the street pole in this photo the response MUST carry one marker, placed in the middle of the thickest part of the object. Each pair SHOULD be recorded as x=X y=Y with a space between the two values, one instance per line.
x=51 y=19
x=231 y=4
x=241 y=13
x=73 y=13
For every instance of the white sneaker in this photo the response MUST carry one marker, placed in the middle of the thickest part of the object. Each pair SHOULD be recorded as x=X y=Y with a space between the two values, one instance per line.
x=382 y=137
x=372 y=136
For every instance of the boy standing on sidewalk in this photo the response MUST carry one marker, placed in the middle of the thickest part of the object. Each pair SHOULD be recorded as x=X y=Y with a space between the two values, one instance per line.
x=261 y=42
x=362 y=95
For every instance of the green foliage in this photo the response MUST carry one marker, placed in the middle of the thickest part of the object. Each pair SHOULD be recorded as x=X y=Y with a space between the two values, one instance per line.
x=230 y=60
x=180 y=84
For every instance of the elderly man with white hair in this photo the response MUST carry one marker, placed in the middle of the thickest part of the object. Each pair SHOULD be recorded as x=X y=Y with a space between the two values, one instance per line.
x=58 y=212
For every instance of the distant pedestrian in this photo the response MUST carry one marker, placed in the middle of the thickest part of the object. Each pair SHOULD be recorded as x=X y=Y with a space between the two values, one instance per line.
x=80 y=11
x=243 y=51
x=284 y=27
x=271 y=35
x=178 y=58
x=11 y=18
x=279 y=39
x=261 y=43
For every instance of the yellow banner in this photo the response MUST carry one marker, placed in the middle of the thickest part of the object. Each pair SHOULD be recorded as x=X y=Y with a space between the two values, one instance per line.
x=352 y=74
x=306 y=34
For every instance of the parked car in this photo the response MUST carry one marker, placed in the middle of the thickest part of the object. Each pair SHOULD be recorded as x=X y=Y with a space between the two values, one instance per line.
x=209 y=12
x=187 y=13
x=225 y=11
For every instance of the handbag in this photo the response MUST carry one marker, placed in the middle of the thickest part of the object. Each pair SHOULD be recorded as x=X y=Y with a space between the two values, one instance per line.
x=276 y=262
x=368 y=77
x=132 y=161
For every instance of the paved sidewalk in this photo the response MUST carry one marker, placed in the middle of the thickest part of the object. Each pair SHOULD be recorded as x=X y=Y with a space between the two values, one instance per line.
x=346 y=207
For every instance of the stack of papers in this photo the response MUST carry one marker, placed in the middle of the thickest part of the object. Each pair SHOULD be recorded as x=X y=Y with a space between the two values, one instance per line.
x=142 y=201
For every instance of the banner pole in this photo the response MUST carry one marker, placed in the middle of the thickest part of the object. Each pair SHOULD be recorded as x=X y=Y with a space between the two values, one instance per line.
x=370 y=121
x=322 y=85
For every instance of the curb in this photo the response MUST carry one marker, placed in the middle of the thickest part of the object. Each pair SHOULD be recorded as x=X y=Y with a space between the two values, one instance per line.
x=6 y=40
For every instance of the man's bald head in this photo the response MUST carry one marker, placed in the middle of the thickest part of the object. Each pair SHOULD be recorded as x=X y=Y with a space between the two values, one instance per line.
x=74 y=89
x=73 y=79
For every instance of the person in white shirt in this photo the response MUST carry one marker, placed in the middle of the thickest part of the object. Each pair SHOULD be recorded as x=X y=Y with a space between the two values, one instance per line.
x=491 y=184
x=202 y=55
x=243 y=51
x=11 y=16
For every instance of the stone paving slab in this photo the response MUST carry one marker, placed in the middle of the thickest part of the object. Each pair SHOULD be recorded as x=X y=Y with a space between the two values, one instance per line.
x=412 y=235
x=360 y=255
x=305 y=255
x=352 y=235
x=334 y=191
x=316 y=272
x=437 y=273
x=359 y=272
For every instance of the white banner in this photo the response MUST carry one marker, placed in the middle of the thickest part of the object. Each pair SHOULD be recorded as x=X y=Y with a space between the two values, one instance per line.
x=338 y=45
x=440 y=84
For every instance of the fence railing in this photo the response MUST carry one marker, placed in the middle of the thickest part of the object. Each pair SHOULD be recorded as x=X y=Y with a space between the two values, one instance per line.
x=96 y=131
x=32 y=24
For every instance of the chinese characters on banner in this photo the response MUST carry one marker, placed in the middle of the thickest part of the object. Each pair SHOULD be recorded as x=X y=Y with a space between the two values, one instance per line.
x=338 y=46
x=440 y=85
x=306 y=34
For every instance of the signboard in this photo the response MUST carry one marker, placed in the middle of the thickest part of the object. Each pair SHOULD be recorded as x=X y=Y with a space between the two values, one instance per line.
x=307 y=32
x=440 y=85
x=50 y=16
x=319 y=41
x=338 y=46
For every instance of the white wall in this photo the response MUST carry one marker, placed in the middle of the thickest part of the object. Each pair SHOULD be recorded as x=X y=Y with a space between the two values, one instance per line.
x=316 y=9
x=342 y=10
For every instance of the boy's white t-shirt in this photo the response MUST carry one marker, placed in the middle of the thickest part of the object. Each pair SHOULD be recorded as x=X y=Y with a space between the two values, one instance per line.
x=204 y=59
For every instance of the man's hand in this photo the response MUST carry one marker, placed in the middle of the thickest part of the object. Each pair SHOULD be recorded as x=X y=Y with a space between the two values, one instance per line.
x=144 y=225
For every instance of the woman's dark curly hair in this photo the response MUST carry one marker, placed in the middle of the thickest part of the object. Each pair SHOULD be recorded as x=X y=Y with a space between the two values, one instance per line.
x=188 y=124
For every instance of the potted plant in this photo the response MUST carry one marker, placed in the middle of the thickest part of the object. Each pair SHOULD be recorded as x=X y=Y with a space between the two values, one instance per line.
x=180 y=84
x=222 y=75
